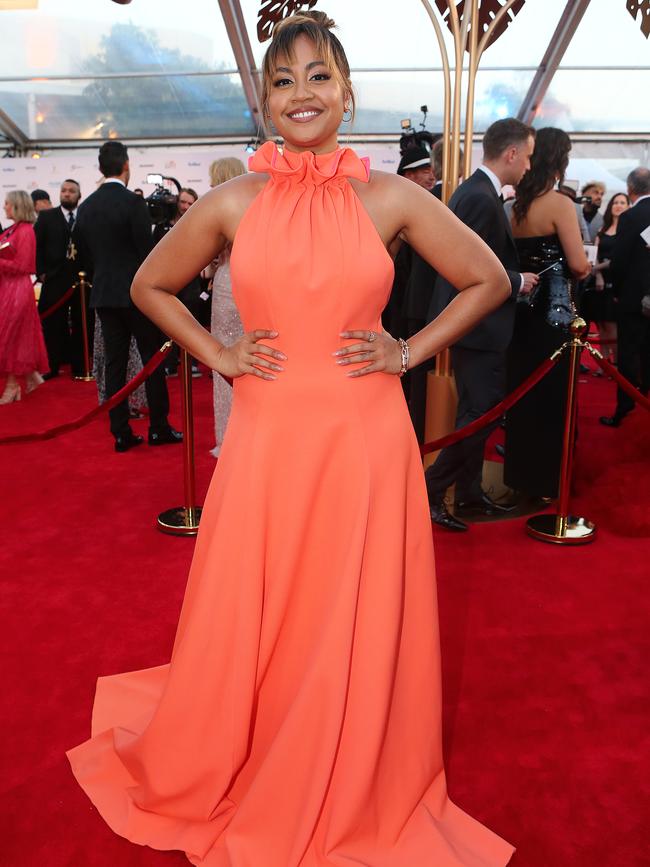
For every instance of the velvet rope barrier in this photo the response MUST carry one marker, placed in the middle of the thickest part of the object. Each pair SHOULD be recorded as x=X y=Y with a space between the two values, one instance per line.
x=496 y=411
x=620 y=380
x=57 y=304
x=118 y=397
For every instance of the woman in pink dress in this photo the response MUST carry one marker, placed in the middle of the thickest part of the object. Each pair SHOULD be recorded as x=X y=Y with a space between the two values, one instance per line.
x=22 y=348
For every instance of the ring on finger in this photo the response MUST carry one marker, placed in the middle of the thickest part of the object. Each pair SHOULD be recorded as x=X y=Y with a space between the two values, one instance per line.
x=372 y=337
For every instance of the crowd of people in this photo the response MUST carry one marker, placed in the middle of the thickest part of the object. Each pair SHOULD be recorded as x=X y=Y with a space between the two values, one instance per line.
x=299 y=719
x=540 y=234
x=538 y=230
x=108 y=236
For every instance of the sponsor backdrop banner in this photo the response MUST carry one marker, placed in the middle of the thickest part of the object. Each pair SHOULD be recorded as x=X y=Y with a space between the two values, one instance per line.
x=190 y=165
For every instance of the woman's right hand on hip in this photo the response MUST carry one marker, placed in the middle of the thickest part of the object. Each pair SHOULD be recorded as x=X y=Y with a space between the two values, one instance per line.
x=249 y=356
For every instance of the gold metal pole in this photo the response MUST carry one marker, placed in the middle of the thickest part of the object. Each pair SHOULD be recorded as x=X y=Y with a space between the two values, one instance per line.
x=564 y=528
x=474 y=58
x=87 y=375
x=184 y=520
x=446 y=120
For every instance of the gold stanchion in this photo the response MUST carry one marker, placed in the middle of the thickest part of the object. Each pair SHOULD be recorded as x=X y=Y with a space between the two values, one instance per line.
x=564 y=528
x=87 y=374
x=184 y=520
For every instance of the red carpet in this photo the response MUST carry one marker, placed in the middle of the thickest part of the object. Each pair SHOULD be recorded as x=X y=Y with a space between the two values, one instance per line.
x=544 y=648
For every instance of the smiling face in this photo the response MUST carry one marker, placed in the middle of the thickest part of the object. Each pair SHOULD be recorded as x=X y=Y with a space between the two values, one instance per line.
x=306 y=100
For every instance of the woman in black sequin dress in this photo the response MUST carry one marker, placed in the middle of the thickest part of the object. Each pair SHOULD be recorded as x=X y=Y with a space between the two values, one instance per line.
x=547 y=234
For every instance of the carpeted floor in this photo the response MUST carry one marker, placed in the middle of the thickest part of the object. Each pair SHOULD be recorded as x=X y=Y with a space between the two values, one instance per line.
x=544 y=648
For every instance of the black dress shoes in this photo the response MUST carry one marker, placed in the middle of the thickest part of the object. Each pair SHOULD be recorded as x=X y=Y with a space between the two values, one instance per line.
x=441 y=517
x=165 y=437
x=127 y=441
x=484 y=506
x=613 y=420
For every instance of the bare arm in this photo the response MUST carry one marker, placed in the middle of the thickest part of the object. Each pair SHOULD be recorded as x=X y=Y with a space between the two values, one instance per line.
x=462 y=258
x=566 y=225
x=182 y=254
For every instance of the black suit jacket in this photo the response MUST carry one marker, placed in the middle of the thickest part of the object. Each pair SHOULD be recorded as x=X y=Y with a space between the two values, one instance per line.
x=630 y=263
x=477 y=204
x=422 y=277
x=52 y=238
x=114 y=231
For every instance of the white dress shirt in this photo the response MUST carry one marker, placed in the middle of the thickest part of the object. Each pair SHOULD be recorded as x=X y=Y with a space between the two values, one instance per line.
x=498 y=186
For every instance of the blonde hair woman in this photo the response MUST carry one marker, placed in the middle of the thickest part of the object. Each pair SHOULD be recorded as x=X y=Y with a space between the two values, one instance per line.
x=225 y=323
x=22 y=348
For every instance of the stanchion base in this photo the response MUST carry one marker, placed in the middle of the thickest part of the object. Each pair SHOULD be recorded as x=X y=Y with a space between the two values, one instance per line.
x=180 y=521
x=88 y=378
x=561 y=531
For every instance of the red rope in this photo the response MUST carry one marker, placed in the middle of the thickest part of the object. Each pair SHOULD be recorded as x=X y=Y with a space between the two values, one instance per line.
x=494 y=413
x=59 y=303
x=624 y=383
x=118 y=397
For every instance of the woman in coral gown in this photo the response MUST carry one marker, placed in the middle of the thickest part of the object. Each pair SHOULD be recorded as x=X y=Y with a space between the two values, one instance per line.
x=298 y=723
x=22 y=347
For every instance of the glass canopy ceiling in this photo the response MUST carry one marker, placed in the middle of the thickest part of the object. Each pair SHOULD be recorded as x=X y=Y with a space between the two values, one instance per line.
x=73 y=72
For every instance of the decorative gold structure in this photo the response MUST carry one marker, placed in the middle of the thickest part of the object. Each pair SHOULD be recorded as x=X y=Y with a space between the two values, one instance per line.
x=184 y=520
x=564 y=528
x=87 y=374
x=273 y=11
x=642 y=6
x=491 y=18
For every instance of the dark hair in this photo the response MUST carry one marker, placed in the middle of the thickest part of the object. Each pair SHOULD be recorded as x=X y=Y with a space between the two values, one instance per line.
x=113 y=155
x=192 y=192
x=40 y=196
x=72 y=181
x=608 y=217
x=547 y=165
x=503 y=134
x=316 y=26
x=638 y=181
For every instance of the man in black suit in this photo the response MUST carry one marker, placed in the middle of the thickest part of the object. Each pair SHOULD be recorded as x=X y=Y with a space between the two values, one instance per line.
x=415 y=309
x=114 y=231
x=478 y=359
x=58 y=265
x=630 y=273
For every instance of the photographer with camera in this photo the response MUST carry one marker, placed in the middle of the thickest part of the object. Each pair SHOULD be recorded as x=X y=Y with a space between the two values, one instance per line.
x=114 y=231
x=160 y=205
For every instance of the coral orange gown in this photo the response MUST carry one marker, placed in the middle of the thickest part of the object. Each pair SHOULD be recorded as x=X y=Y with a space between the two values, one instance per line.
x=298 y=722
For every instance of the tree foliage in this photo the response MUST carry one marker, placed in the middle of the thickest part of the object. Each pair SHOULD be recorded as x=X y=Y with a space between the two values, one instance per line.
x=173 y=105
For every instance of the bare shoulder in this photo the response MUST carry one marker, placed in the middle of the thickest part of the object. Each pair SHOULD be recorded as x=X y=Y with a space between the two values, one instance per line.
x=559 y=202
x=398 y=192
x=236 y=192
x=228 y=202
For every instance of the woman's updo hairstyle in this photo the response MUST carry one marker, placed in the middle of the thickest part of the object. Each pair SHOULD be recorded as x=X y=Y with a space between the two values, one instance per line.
x=316 y=26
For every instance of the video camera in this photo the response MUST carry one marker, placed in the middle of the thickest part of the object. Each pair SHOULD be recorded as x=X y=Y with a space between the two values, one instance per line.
x=162 y=203
x=413 y=137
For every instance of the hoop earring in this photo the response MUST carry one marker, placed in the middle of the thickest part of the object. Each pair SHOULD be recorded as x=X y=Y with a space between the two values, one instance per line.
x=347 y=119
